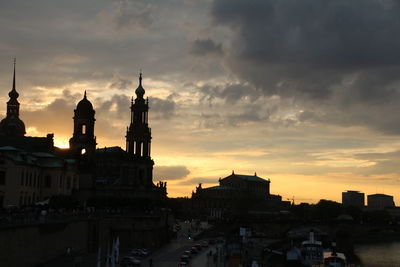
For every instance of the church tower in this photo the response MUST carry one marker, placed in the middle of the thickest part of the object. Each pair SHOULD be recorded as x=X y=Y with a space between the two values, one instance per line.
x=83 y=141
x=138 y=137
x=12 y=125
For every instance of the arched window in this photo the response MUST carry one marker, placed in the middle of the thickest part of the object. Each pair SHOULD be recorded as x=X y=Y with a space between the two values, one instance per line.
x=83 y=130
x=83 y=151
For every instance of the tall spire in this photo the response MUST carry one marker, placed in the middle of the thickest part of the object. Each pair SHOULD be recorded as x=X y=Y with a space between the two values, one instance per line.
x=15 y=61
x=12 y=125
x=13 y=94
x=140 y=91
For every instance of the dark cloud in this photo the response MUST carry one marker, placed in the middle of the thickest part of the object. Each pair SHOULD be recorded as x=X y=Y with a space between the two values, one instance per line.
x=334 y=32
x=132 y=14
x=170 y=172
x=121 y=84
x=338 y=59
x=230 y=93
x=206 y=47
x=384 y=163
x=117 y=107
x=162 y=108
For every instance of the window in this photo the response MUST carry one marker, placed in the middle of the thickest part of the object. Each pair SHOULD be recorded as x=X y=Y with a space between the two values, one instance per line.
x=47 y=181
x=68 y=182
x=83 y=130
x=83 y=151
x=2 y=177
x=22 y=178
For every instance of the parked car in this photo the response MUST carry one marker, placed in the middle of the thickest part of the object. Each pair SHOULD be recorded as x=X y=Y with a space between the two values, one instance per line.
x=139 y=252
x=185 y=258
x=193 y=250
x=130 y=261
x=198 y=246
x=188 y=253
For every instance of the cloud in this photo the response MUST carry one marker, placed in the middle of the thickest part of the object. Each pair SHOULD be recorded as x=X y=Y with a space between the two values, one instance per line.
x=120 y=83
x=230 y=93
x=170 y=172
x=196 y=180
x=47 y=119
x=162 y=108
x=128 y=15
x=206 y=47
x=336 y=58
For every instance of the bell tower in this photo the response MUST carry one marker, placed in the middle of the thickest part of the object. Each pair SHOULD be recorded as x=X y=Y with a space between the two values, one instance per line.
x=12 y=125
x=138 y=135
x=138 y=139
x=83 y=141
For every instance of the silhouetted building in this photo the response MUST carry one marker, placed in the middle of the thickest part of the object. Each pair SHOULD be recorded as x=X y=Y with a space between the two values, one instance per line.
x=29 y=177
x=353 y=198
x=380 y=201
x=112 y=172
x=83 y=141
x=236 y=195
x=12 y=125
x=29 y=170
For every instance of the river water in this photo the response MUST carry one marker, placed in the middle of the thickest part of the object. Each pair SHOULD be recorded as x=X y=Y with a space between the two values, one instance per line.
x=379 y=255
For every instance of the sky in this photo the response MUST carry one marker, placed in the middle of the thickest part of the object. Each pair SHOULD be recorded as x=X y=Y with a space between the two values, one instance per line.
x=304 y=93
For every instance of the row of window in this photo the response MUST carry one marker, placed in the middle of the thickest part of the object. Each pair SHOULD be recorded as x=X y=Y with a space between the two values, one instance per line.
x=31 y=179
x=27 y=199
x=2 y=177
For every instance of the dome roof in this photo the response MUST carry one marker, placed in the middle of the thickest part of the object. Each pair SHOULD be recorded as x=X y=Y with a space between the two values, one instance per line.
x=140 y=90
x=13 y=93
x=12 y=126
x=84 y=107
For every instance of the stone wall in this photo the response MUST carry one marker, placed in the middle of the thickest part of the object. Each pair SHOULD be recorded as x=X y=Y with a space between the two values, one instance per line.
x=29 y=245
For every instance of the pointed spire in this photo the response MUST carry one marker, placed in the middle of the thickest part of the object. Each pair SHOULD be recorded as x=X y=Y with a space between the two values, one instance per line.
x=84 y=95
x=15 y=61
x=13 y=94
x=140 y=91
x=233 y=172
x=255 y=173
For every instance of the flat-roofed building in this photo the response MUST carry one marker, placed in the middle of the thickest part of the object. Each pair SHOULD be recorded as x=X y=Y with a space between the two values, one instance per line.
x=353 y=198
x=380 y=201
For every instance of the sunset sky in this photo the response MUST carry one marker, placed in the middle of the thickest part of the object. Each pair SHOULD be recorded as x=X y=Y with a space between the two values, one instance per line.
x=305 y=93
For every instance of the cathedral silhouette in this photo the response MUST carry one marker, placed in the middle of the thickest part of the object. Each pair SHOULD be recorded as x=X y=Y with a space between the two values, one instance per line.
x=109 y=172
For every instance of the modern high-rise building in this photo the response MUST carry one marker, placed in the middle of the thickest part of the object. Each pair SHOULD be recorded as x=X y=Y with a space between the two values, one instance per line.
x=353 y=198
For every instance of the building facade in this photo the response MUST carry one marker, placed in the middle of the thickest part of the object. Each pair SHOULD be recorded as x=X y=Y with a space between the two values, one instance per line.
x=353 y=198
x=236 y=195
x=29 y=170
x=380 y=201
x=27 y=178
x=112 y=172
